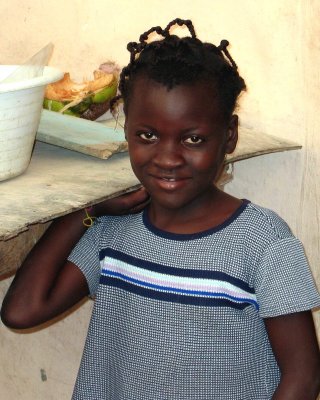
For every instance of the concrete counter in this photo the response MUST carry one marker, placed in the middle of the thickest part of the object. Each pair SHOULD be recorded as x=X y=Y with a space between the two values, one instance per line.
x=59 y=181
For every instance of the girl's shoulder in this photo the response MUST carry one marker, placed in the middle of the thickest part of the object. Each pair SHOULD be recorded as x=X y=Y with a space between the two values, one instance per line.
x=109 y=226
x=266 y=220
x=115 y=221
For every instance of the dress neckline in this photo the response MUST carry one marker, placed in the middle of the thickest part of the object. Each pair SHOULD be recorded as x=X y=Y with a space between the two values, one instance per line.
x=192 y=236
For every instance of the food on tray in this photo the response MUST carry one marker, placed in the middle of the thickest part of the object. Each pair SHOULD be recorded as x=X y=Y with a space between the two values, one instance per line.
x=89 y=99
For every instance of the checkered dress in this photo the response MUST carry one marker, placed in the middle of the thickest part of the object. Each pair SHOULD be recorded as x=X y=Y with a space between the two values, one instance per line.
x=180 y=316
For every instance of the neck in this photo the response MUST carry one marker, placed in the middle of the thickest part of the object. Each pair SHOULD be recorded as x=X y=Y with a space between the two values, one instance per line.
x=191 y=219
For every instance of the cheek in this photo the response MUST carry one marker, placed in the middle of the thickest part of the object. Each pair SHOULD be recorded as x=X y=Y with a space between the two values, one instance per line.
x=138 y=157
x=204 y=164
x=134 y=151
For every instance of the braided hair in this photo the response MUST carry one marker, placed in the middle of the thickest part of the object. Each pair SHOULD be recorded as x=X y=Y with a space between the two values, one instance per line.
x=172 y=61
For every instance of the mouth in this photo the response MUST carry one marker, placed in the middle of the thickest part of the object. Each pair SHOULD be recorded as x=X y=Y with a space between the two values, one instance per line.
x=168 y=179
x=170 y=183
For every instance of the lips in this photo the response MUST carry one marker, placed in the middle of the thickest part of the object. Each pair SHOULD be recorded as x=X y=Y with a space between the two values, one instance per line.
x=170 y=183
x=169 y=179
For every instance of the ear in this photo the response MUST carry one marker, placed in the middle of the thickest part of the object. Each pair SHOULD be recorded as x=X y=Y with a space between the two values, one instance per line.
x=232 y=134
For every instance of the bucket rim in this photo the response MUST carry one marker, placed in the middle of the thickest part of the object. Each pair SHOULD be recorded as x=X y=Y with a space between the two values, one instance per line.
x=50 y=75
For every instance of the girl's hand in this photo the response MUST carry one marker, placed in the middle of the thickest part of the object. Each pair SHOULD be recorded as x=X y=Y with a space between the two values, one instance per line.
x=294 y=343
x=128 y=203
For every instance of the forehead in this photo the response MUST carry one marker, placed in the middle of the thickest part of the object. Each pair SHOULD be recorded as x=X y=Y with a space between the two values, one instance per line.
x=197 y=101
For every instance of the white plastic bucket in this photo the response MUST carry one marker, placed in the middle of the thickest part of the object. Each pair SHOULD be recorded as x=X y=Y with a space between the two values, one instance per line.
x=20 y=112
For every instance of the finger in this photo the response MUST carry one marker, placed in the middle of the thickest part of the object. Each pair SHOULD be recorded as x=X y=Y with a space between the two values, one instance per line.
x=133 y=199
x=140 y=193
x=138 y=208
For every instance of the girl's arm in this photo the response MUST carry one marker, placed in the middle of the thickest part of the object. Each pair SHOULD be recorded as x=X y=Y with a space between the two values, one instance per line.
x=294 y=343
x=47 y=284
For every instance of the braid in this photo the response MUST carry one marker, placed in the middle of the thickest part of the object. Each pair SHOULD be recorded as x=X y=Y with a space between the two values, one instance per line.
x=144 y=37
x=181 y=22
x=172 y=60
x=223 y=47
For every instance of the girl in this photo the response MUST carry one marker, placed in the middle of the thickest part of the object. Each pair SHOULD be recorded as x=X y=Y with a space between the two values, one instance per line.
x=200 y=295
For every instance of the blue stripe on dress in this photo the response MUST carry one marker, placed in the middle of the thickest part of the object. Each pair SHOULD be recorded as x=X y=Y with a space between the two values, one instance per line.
x=172 y=297
x=174 y=271
x=189 y=287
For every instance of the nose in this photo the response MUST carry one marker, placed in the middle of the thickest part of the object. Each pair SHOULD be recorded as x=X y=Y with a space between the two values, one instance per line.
x=168 y=156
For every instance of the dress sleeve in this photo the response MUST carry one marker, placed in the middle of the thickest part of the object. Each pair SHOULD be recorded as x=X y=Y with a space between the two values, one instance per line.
x=284 y=283
x=85 y=255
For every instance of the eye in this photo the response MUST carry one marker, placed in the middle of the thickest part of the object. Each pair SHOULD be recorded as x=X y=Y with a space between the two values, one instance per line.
x=147 y=136
x=194 y=139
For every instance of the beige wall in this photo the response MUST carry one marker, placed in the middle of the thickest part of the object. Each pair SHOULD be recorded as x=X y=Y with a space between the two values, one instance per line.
x=276 y=44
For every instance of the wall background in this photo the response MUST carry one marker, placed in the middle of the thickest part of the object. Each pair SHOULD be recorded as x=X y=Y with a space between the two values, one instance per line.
x=277 y=47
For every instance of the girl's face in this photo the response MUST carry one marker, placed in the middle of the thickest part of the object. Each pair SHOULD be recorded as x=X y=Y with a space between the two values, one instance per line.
x=177 y=143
